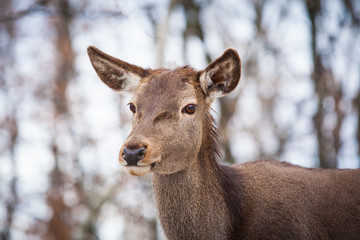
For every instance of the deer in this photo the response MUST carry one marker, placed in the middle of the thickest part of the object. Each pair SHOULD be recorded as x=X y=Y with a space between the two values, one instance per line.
x=175 y=138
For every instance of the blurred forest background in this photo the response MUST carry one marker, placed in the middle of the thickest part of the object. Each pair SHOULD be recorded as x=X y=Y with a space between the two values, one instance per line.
x=61 y=127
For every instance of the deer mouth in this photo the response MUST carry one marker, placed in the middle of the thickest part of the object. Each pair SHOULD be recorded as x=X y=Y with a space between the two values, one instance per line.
x=140 y=168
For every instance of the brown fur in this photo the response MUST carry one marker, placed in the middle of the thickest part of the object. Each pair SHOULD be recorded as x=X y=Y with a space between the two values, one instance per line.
x=199 y=199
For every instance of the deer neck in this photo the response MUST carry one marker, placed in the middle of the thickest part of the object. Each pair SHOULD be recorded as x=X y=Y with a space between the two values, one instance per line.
x=191 y=203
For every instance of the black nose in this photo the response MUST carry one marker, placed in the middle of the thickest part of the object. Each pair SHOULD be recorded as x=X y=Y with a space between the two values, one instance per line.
x=132 y=157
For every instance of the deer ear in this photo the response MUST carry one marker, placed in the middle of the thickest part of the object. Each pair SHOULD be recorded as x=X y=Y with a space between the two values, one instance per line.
x=222 y=75
x=116 y=74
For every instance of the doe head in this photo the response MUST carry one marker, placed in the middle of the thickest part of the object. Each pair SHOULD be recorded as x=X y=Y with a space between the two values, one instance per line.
x=170 y=109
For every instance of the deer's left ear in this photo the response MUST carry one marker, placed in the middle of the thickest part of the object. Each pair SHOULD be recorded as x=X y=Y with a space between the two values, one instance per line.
x=222 y=75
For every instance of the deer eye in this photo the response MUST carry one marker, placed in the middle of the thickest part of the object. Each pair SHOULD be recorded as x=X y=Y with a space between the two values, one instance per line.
x=132 y=107
x=189 y=109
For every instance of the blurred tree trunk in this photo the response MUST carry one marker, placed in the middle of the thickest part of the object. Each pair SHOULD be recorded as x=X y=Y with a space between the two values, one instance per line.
x=12 y=201
x=329 y=96
x=9 y=119
x=356 y=103
x=60 y=224
x=355 y=19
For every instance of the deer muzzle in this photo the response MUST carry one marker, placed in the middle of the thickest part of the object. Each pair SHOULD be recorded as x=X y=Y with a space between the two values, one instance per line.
x=137 y=159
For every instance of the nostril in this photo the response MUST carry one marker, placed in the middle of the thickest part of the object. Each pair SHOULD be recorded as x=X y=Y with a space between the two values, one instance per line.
x=141 y=153
x=133 y=156
x=126 y=152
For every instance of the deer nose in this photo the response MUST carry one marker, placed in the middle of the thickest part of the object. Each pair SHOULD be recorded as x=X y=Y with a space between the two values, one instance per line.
x=132 y=157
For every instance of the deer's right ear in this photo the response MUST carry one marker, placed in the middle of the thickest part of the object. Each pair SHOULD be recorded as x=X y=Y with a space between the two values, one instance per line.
x=116 y=74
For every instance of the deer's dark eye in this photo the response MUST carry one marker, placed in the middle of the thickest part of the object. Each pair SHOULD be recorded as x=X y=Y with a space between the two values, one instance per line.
x=132 y=107
x=189 y=109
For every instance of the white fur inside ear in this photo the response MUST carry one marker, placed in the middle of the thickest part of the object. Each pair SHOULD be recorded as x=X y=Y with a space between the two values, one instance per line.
x=206 y=83
x=130 y=83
